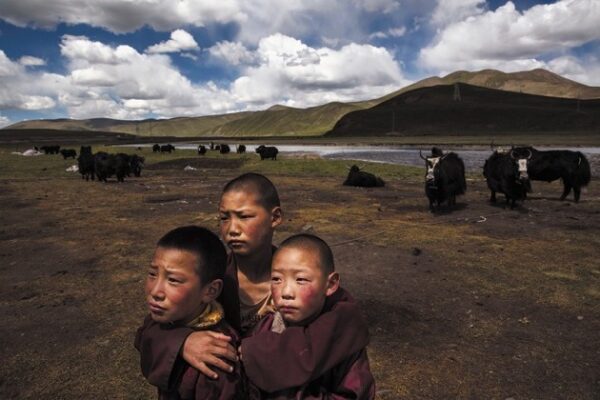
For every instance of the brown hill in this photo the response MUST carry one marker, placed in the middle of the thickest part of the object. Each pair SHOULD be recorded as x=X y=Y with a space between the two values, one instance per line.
x=468 y=109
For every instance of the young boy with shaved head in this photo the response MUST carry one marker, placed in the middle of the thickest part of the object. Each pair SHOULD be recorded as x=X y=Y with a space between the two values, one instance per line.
x=303 y=277
x=183 y=282
x=249 y=212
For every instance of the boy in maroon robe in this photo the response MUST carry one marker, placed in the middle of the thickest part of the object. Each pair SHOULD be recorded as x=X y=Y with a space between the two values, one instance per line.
x=250 y=211
x=302 y=278
x=183 y=282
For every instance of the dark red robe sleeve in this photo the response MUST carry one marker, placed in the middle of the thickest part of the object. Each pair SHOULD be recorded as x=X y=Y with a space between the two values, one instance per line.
x=357 y=382
x=298 y=355
x=159 y=346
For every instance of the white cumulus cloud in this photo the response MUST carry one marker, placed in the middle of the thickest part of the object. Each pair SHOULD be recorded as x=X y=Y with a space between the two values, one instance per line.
x=234 y=53
x=180 y=41
x=31 y=61
x=451 y=11
x=511 y=40
x=292 y=73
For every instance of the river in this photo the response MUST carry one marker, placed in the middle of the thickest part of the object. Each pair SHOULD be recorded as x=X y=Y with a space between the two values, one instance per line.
x=473 y=157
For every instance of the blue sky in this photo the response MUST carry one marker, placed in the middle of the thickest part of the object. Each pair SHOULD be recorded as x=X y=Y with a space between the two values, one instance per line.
x=140 y=59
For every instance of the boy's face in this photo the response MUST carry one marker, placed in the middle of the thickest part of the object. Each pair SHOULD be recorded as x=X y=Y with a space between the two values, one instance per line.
x=246 y=226
x=299 y=286
x=174 y=292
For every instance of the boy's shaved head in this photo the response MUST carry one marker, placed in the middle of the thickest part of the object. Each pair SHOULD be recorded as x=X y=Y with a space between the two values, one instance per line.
x=313 y=244
x=210 y=251
x=265 y=191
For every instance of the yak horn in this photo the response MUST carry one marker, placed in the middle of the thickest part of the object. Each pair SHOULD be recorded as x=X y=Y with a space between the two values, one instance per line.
x=421 y=155
x=530 y=154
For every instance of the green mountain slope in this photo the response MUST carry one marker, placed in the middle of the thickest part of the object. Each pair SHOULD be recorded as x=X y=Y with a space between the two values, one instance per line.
x=314 y=121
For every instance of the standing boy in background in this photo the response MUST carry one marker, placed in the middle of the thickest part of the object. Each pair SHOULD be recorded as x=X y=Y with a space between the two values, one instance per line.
x=302 y=278
x=249 y=212
x=183 y=282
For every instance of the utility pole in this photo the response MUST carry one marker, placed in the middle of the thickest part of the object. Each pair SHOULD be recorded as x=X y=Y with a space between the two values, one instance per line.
x=457 y=92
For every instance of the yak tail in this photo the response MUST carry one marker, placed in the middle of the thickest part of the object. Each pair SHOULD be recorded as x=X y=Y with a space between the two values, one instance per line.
x=380 y=182
x=582 y=173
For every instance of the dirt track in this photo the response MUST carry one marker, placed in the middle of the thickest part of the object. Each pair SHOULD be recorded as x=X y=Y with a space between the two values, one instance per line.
x=478 y=303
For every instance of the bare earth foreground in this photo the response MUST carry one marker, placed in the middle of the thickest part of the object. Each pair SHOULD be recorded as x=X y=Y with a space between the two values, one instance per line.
x=478 y=303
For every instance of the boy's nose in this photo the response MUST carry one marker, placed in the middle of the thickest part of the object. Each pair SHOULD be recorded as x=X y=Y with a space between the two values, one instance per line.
x=157 y=292
x=234 y=227
x=287 y=292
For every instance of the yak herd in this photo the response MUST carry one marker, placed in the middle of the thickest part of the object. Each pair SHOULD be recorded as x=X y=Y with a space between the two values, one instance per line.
x=506 y=171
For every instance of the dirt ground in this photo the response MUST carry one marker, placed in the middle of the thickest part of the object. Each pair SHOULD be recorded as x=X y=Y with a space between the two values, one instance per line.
x=480 y=302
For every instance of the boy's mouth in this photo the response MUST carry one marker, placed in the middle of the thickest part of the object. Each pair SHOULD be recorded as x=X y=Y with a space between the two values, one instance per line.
x=155 y=308
x=235 y=243
x=287 y=309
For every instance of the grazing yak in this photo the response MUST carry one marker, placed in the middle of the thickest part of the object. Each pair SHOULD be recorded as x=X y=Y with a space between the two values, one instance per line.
x=85 y=162
x=224 y=149
x=201 y=150
x=359 y=178
x=107 y=165
x=156 y=148
x=135 y=164
x=570 y=166
x=167 y=148
x=241 y=149
x=506 y=172
x=444 y=177
x=50 y=149
x=68 y=153
x=267 y=152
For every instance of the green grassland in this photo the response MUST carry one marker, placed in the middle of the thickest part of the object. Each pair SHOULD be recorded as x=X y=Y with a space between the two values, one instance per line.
x=13 y=166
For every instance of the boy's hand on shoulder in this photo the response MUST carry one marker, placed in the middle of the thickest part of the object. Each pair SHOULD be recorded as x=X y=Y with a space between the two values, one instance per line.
x=207 y=348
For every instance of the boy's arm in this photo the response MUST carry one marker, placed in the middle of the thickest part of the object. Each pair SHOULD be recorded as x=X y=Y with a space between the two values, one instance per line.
x=159 y=347
x=298 y=355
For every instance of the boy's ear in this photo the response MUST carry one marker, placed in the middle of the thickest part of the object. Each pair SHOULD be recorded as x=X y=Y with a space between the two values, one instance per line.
x=276 y=216
x=212 y=290
x=333 y=283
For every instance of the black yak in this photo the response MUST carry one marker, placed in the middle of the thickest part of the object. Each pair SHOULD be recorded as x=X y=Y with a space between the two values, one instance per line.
x=570 y=166
x=444 y=177
x=156 y=148
x=356 y=177
x=68 y=153
x=167 y=148
x=85 y=162
x=241 y=149
x=506 y=172
x=267 y=152
x=201 y=150
x=224 y=149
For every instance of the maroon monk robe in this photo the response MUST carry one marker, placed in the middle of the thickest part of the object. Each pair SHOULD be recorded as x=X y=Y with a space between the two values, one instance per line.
x=189 y=383
x=302 y=354
x=350 y=379
x=164 y=345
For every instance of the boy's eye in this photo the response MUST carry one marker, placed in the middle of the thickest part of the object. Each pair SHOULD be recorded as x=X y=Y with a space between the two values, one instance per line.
x=174 y=280
x=224 y=217
x=275 y=279
x=152 y=274
x=302 y=280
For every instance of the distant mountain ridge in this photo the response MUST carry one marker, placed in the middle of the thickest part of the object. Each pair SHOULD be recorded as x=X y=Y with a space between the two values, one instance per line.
x=460 y=108
x=281 y=120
